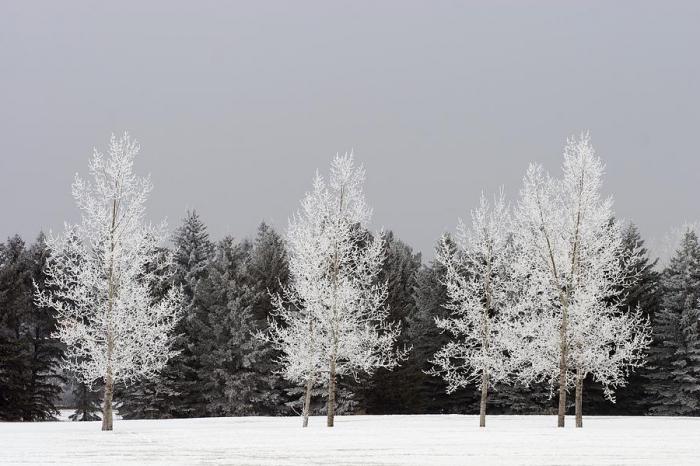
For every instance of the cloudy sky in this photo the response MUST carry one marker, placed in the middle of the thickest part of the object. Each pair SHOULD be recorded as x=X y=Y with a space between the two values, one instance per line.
x=236 y=104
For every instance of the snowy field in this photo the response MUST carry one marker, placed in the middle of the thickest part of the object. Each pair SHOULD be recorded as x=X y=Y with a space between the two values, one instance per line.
x=358 y=440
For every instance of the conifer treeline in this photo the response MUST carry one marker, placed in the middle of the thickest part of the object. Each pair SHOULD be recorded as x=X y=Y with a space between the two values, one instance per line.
x=222 y=370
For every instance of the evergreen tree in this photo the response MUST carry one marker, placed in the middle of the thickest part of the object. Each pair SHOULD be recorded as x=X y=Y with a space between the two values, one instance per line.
x=427 y=393
x=267 y=272
x=517 y=398
x=239 y=370
x=45 y=382
x=225 y=370
x=674 y=377
x=387 y=392
x=87 y=402
x=644 y=293
x=15 y=306
x=192 y=253
x=30 y=381
x=177 y=391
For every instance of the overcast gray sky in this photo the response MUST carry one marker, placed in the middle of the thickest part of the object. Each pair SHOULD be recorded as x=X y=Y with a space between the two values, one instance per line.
x=236 y=104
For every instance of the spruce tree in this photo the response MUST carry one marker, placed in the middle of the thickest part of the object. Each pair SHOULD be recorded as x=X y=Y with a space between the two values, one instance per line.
x=266 y=273
x=644 y=293
x=177 y=391
x=30 y=380
x=387 y=392
x=192 y=252
x=15 y=349
x=87 y=402
x=238 y=370
x=226 y=380
x=428 y=394
x=674 y=377
x=45 y=382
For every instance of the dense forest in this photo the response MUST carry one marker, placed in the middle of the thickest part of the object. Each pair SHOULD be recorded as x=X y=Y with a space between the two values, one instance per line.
x=328 y=317
x=222 y=370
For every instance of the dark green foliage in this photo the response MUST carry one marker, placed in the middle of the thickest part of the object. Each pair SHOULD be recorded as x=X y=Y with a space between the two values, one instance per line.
x=221 y=369
x=177 y=392
x=45 y=380
x=674 y=376
x=267 y=271
x=516 y=398
x=14 y=314
x=387 y=392
x=238 y=369
x=30 y=383
x=428 y=393
x=346 y=401
x=181 y=381
x=645 y=294
x=87 y=402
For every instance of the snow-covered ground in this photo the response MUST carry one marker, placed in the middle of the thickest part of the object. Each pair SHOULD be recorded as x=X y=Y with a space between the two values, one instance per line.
x=359 y=440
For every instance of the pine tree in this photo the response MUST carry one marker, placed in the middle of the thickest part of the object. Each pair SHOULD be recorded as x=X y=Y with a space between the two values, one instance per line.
x=87 y=402
x=30 y=379
x=45 y=383
x=266 y=274
x=15 y=349
x=675 y=356
x=228 y=382
x=644 y=293
x=428 y=393
x=177 y=391
x=389 y=392
x=191 y=256
x=157 y=397
x=238 y=370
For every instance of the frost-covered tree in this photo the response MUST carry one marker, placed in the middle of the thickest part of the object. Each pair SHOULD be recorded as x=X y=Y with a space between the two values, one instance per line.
x=572 y=248
x=158 y=397
x=675 y=354
x=100 y=285
x=643 y=294
x=482 y=294
x=331 y=320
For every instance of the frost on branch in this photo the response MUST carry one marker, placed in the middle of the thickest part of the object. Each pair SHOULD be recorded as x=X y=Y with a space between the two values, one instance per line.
x=331 y=320
x=483 y=298
x=100 y=275
x=573 y=250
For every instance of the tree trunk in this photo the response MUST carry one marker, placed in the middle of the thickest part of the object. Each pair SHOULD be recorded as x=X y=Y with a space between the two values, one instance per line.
x=107 y=407
x=307 y=401
x=109 y=381
x=484 y=395
x=562 y=371
x=579 y=399
x=331 y=395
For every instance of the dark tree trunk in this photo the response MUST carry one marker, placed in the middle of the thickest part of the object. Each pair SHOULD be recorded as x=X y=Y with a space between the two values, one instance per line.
x=579 y=399
x=484 y=396
x=331 y=395
x=107 y=407
x=562 y=372
x=307 y=401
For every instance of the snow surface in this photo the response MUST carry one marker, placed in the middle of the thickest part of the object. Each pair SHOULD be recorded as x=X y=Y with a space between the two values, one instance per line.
x=359 y=440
